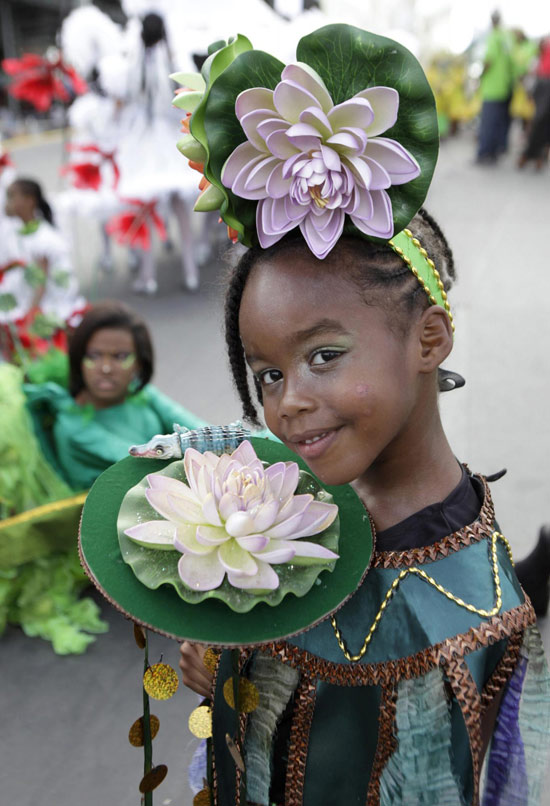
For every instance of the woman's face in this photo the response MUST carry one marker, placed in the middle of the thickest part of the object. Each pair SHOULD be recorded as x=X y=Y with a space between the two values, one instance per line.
x=18 y=204
x=109 y=366
x=339 y=387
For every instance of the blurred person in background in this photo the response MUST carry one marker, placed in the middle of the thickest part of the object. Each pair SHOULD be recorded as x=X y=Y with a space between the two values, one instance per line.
x=496 y=85
x=538 y=141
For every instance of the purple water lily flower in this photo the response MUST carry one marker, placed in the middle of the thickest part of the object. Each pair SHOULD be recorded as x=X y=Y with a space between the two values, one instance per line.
x=234 y=518
x=309 y=162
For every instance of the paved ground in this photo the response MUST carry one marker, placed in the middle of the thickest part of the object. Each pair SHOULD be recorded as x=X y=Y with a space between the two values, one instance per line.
x=65 y=719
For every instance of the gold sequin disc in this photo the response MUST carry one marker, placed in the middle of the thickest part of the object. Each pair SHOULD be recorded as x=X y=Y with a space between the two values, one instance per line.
x=200 y=722
x=202 y=798
x=249 y=696
x=210 y=659
x=139 y=635
x=135 y=736
x=153 y=778
x=160 y=681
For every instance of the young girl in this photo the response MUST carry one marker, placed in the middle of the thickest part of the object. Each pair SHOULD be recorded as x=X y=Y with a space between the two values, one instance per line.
x=35 y=242
x=434 y=664
x=109 y=404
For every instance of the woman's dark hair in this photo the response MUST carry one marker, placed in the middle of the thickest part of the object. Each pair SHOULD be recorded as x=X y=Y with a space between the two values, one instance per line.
x=115 y=315
x=28 y=187
x=152 y=29
x=384 y=280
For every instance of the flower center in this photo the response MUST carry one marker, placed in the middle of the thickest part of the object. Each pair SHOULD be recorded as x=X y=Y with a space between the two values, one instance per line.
x=315 y=193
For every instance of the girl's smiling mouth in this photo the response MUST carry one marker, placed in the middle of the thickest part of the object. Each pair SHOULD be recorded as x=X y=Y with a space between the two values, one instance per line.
x=313 y=444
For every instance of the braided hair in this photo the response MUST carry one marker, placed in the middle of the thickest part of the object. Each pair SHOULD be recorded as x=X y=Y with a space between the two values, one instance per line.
x=28 y=187
x=382 y=276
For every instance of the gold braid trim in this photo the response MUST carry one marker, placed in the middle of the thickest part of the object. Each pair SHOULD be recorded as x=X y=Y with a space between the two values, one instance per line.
x=44 y=509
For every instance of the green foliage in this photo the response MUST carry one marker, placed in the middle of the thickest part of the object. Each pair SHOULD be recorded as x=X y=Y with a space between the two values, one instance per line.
x=35 y=276
x=7 y=303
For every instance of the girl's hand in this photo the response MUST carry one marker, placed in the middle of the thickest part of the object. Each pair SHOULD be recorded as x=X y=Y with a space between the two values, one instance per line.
x=194 y=673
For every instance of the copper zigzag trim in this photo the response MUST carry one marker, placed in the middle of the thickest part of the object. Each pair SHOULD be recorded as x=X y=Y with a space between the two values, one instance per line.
x=476 y=531
x=387 y=742
x=299 y=741
x=369 y=674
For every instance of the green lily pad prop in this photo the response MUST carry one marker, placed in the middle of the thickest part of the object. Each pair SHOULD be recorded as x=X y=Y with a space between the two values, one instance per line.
x=348 y=60
x=155 y=567
x=211 y=621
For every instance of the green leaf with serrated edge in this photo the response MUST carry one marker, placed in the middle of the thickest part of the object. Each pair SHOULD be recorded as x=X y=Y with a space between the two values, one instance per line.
x=192 y=80
x=154 y=568
x=251 y=69
x=190 y=147
x=188 y=101
x=349 y=60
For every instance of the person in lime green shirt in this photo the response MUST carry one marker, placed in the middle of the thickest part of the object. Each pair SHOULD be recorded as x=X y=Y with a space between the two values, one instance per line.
x=496 y=86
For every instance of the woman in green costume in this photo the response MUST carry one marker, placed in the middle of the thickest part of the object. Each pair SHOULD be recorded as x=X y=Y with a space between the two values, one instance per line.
x=434 y=664
x=79 y=433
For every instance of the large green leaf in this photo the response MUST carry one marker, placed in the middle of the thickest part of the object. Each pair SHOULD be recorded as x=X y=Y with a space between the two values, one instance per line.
x=155 y=567
x=349 y=60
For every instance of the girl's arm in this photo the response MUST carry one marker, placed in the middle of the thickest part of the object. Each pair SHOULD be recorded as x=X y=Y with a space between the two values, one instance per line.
x=194 y=673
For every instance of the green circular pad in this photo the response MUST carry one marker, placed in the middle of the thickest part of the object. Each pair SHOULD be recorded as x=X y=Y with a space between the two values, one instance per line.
x=211 y=621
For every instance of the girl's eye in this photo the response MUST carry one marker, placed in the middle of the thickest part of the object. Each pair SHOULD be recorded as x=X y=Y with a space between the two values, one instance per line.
x=324 y=356
x=269 y=376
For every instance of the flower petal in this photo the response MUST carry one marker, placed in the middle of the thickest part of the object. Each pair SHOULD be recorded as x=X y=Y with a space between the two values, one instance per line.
x=313 y=551
x=278 y=551
x=186 y=541
x=211 y=535
x=228 y=504
x=380 y=224
x=153 y=534
x=239 y=186
x=301 y=73
x=385 y=103
x=317 y=240
x=184 y=511
x=291 y=98
x=250 y=123
x=278 y=144
x=265 y=579
x=254 y=98
x=380 y=178
x=253 y=542
x=210 y=510
x=353 y=112
x=317 y=118
x=292 y=475
x=201 y=573
x=234 y=558
x=167 y=484
x=270 y=125
x=244 y=155
x=396 y=160
x=318 y=517
x=258 y=176
x=239 y=524
x=277 y=186
x=263 y=213
x=360 y=170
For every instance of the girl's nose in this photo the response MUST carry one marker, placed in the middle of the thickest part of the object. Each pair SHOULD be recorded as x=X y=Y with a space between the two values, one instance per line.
x=106 y=368
x=295 y=400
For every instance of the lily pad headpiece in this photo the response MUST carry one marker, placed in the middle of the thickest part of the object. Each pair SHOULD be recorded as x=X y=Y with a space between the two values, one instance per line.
x=344 y=140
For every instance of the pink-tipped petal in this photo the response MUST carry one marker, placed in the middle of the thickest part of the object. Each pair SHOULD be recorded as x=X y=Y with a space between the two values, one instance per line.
x=361 y=170
x=314 y=550
x=277 y=551
x=211 y=535
x=236 y=559
x=331 y=158
x=304 y=75
x=318 y=119
x=186 y=541
x=396 y=160
x=239 y=524
x=318 y=517
x=174 y=508
x=240 y=185
x=159 y=482
x=385 y=104
x=291 y=99
x=258 y=176
x=263 y=211
x=354 y=112
x=153 y=534
x=280 y=146
x=345 y=142
x=380 y=178
x=244 y=155
x=252 y=99
x=316 y=240
x=292 y=475
x=227 y=505
x=201 y=573
x=210 y=510
x=250 y=123
x=270 y=125
x=266 y=514
x=277 y=186
x=264 y=579
x=253 y=542
x=380 y=223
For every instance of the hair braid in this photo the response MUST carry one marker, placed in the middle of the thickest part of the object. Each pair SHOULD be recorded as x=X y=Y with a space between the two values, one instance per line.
x=237 y=282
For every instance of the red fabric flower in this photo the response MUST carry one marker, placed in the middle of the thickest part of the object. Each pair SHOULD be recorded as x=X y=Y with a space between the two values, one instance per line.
x=87 y=175
x=40 y=81
x=133 y=228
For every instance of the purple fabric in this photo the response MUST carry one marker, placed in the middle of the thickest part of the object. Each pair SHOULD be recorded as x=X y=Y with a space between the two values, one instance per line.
x=506 y=783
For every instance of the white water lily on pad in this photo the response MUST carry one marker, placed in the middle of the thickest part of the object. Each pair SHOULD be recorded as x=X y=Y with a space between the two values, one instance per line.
x=234 y=517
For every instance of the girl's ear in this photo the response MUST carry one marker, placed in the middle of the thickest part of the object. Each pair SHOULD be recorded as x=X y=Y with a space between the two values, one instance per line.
x=435 y=338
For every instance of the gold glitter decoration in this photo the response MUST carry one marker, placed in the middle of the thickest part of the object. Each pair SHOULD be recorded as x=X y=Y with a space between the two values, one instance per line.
x=249 y=697
x=202 y=798
x=139 y=635
x=235 y=752
x=135 y=735
x=160 y=681
x=153 y=778
x=496 y=536
x=200 y=722
x=210 y=660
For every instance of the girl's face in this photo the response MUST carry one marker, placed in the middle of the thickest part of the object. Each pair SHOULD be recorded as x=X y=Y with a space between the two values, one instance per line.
x=109 y=366
x=19 y=204
x=339 y=387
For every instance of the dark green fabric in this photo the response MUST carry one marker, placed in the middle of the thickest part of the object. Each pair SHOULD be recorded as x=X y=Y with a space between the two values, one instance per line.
x=83 y=442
